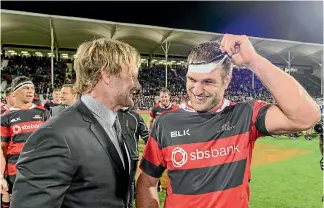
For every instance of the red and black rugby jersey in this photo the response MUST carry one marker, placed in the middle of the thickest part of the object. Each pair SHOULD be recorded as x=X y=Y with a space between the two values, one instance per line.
x=16 y=126
x=158 y=110
x=207 y=155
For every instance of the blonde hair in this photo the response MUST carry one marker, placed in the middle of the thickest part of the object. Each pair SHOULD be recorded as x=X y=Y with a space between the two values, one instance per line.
x=93 y=55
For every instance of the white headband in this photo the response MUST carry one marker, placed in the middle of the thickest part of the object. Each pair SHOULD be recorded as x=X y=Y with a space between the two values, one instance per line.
x=205 y=68
x=23 y=84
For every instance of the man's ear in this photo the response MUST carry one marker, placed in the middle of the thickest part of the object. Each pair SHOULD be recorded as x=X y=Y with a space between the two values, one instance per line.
x=227 y=81
x=105 y=76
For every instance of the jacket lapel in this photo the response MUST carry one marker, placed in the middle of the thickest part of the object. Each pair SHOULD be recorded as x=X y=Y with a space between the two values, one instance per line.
x=106 y=143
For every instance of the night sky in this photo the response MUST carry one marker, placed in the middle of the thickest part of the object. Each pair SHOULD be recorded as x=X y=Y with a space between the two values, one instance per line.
x=298 y=21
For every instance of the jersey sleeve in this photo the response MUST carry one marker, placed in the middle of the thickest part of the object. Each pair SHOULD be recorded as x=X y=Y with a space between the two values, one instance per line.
x=47 y=106
x=260 y=109
x=142 y=129
x=152 y=112
x=152 y=162
x=5 y=129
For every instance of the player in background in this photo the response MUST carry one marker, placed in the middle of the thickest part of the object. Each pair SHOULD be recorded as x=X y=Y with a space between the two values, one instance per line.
x=163 y=105
x=68 y=98
x=10 y=100
x=56 y=100
x=133 y=127
x=37 y=101
x=17 y=123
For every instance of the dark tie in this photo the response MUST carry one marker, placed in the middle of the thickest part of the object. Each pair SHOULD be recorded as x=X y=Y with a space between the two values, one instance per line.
x=118 y=131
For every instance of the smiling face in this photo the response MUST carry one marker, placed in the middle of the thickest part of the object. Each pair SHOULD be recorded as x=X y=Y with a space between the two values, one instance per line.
x=68 y=97
x=126 y=84
x=206 y=90
x=57 y=96
x=165 y=99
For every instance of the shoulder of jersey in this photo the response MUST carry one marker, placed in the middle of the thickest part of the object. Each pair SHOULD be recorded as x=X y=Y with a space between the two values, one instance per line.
x=171 y=111
x=174 y=107
x=40 y=107
x=6 y=113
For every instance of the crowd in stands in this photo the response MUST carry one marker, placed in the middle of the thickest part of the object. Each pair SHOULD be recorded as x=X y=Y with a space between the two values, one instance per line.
x=36 y=67
x=152 y=79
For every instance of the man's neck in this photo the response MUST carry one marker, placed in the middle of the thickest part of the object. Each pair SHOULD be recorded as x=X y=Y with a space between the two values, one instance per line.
x=165 y=106
x=109 y=103
x=22 y=105
x=56 y=102
x=213 y=109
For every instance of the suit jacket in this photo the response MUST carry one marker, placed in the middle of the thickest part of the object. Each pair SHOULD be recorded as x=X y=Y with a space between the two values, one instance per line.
x=70 y=162
x=57 y=109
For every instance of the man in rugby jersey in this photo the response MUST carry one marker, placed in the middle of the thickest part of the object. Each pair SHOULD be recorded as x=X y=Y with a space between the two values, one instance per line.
x=10 y=100
x=207 y=146
x=17 y=123
x=56 y=95
x=133 y=126
x=164 y=105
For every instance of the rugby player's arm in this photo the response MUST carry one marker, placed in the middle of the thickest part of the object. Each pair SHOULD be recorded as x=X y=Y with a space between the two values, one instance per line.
x=5 y=138
x=44 y=170
x=4 y=148
x=146 y=191
x=295 y=109
x=151 y=119
x=142 y=129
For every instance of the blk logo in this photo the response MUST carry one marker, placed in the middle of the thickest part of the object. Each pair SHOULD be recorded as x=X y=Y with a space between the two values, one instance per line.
x=180 y=133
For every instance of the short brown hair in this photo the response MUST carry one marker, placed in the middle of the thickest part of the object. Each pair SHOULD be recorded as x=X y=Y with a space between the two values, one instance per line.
x=57 y=90
x=93 y=55
x=8 y=91
x=70 y=86
x=205 y=52
x=164 y=90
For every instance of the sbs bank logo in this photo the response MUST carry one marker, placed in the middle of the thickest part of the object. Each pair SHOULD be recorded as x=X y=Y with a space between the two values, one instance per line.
x=17 y=129
x=183 y=155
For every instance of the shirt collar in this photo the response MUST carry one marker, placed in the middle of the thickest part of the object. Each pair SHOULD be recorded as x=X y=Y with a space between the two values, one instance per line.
x=99 y=109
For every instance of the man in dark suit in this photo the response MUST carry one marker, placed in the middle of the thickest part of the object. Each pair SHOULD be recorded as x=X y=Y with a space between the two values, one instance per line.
x=78 y=159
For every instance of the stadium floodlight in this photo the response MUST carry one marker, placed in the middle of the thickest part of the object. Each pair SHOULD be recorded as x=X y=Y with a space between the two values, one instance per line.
x=154 y=60
x=24 y=52
x=65 y=54
x=11 y=51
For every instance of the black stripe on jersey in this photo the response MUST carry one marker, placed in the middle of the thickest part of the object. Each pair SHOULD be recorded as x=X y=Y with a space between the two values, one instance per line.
x=208 y=179
x=155 y=172
x=21 y=138
x=12 y=159
x=260 y=122
x=181 y=127
x=5 y=139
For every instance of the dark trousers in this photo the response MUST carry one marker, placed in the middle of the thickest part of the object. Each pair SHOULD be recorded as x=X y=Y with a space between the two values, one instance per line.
x=131 y=190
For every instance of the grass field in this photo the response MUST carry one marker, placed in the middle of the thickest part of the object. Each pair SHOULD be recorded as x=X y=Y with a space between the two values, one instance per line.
x=285 y=173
